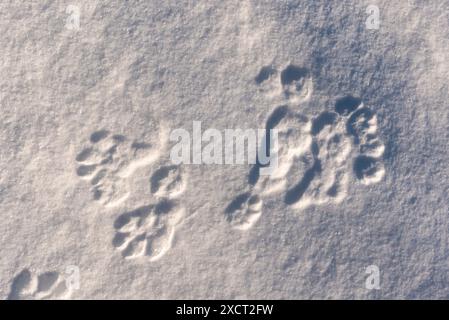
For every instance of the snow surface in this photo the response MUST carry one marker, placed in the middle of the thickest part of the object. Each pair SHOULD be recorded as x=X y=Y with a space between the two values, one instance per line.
x=87 y=187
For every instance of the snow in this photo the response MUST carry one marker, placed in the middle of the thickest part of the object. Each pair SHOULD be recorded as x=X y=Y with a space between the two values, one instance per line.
x=92 y=206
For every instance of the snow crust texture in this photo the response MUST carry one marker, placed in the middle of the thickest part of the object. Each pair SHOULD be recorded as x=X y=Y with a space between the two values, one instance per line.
x=93 y=207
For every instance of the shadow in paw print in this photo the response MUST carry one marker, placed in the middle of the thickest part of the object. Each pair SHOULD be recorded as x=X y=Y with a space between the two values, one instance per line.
x=347 y=105
x=365 y=167
x=126 y=218
x=254 y=174
x=46 y=281
x=84 y=155
x=295 y=194
x=293 y=73
x=159 y=176
x=140 y=145
x=324 y=119
x=163 y=207
x=98 y=135
x=20 y=284
x=85 y=170
x=359 y=122
x=275 y=118
x=265 y=74
x=236 y=204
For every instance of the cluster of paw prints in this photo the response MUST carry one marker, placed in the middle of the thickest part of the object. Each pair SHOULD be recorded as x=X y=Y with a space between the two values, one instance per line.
x=317 y=157
x=107 y=164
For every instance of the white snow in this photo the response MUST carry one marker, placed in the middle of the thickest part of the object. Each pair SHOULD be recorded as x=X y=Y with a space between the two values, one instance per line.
x=92 y=206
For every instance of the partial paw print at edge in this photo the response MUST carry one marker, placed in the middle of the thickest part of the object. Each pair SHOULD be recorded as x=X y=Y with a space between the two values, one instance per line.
x=48 y=285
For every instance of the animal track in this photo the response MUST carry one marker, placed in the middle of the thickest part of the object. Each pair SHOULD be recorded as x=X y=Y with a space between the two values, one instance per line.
x=149 y=230
x=368 y=170
x=326 y=180
x=294 y=140
x=362 y=125
x=350 y=130
x=244 y=211
x=314 y=156
x=108 y=161
x=265 y=74
x=293 y=82
x=48 y=285
x=296 y=83
x=168 y=182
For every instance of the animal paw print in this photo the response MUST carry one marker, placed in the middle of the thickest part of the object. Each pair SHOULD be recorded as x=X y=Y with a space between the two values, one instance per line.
x=107 y=163
x=244 y=211
x=349 y=132
x=313 y=156
x=45 y=286
x=296 y=83
x=294 y=141
x=326 y=179
x=293 y=83
x=149 y=230
x=168 y=181
x=362 y=126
